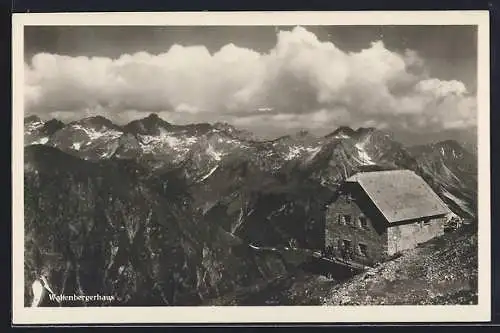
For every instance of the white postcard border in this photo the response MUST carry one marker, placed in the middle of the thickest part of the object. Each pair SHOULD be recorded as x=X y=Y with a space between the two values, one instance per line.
x=241 y=314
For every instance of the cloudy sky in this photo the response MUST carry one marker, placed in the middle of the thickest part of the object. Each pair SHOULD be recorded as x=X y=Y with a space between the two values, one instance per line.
x=418 y=82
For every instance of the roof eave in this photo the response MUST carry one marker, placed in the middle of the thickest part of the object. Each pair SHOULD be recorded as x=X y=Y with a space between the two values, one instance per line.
x=415 y=219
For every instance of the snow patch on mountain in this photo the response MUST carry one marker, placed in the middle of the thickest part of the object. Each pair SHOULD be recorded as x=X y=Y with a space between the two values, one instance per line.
x=341 y=136
x=41 y=141
x=181 y=144
x=148 y=143
x=76 y=145
x=312 y=152
x=109 y=153
x=191 y=140
x=293 y=152
x=34 y=126
x=363 y=155
x=213 y=153
x=209 y=173
x=297 y=151
x=171 y=141
x=94 y=134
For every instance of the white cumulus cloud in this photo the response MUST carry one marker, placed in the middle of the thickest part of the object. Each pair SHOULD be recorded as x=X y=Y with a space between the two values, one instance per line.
x=301 y=82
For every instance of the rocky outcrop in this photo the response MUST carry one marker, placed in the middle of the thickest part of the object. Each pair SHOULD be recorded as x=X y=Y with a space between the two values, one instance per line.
x=98 y=228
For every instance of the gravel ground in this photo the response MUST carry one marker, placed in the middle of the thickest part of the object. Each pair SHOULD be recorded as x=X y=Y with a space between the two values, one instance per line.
x=440 y=272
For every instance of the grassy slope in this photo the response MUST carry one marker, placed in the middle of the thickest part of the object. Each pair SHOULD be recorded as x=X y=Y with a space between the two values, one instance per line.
x=442 y=271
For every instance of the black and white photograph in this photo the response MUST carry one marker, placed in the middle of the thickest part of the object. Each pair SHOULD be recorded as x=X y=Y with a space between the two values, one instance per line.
x=253 y=166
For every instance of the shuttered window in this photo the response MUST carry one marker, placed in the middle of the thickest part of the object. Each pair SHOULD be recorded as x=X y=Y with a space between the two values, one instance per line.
x=363 y=222
x=344 y=219
x=363 y=249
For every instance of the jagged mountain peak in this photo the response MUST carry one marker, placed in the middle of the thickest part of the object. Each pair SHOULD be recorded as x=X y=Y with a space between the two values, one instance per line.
x=37 y=131
x=95 y=121
x=453 y=144
x=36 y=120
x=452 y=170
x=376 y=136
x=50 y=127
x=443 y=147
x=150 y=125
x=224 y=126
x=233 y=131
x=372 y=131
x=54 y=121
x=92 y=137
x=32 y=119
x=301 y=135
x=153 y=116
x=342 y=132
x=365 y=130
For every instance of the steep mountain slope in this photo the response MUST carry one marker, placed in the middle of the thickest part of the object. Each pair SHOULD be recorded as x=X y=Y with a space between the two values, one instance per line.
x=346 y=151
x=106 y=228
x=265 y=210
x=452 y=172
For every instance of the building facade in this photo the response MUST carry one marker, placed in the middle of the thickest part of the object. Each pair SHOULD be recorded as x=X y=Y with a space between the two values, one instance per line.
x=377 y=214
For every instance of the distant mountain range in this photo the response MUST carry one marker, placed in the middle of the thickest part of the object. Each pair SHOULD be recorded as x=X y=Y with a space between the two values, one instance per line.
x=126 y=209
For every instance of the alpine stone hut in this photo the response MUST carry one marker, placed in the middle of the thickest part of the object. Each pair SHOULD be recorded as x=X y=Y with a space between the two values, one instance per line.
x=379 y=213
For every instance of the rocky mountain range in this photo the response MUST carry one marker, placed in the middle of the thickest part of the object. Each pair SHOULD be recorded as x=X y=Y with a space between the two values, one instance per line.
x=162 y=214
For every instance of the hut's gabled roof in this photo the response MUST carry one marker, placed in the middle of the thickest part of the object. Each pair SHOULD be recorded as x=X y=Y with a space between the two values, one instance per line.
x=400 y=194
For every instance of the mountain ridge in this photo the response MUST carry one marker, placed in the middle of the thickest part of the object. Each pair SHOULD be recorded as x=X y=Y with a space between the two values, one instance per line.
x=197 y=196
x=200 y=148
x=130 y=127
